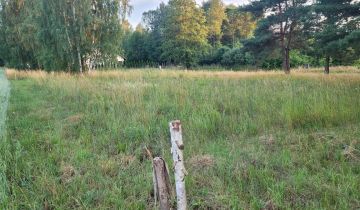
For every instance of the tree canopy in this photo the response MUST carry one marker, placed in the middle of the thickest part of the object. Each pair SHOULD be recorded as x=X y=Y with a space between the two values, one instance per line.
x=337 y=32
x=185 y=32
x=76 y=35
x=59 y=34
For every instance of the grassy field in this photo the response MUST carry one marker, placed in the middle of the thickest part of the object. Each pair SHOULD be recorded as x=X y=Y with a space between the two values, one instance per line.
x=252 y=140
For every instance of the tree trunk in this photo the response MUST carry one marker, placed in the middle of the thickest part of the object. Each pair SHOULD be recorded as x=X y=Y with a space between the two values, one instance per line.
x=69 y=41
x=77 y=43
x=286 y=60
x=79 y=57
x=327 y=65
x=93 y=54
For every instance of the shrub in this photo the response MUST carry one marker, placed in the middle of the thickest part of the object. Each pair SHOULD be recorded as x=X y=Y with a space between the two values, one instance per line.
x=237 y=57
x=214 y=56
x=272 y=63
x=357 y=63
x=298 y=59
x=220 y=53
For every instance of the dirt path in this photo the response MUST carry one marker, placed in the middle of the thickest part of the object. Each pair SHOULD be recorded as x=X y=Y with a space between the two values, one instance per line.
x=4 y=98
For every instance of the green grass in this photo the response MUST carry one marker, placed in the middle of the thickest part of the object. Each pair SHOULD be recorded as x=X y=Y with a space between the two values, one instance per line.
x=289 y=142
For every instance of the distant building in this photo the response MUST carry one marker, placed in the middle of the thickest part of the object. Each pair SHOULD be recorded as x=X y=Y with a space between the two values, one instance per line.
x=120 y=59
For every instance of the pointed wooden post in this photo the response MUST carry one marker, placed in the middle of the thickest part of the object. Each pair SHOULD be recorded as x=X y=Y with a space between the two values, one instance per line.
x=177 y=147
x=161 y=183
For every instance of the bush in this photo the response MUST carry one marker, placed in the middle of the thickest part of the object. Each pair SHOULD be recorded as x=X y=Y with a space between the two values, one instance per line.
x=298 y=59
x=2 y=63
x=227 y=59
x=237 y=57
x=357 y=63
x=214 y=56
x=220 y=53
x=272 y=63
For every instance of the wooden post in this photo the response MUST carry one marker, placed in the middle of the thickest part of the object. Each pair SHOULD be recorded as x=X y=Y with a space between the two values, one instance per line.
x=161 y=183
x=177 y=147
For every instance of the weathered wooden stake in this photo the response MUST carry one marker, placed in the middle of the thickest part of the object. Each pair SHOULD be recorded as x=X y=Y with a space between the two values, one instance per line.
x=161 y=183
x=177 y=147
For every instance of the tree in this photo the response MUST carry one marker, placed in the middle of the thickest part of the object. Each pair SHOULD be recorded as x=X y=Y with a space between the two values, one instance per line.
x=16 y=33
x=337 y=29
x=215 y=15
x=155 y=23
x=125 y=9
x=59 y=34
x=107 y=32
x=135 y=47
x=281 y=26
x=238 y=25
x=185 y=34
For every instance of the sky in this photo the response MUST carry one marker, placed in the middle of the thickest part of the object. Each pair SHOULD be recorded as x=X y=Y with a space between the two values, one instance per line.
x=141 y=6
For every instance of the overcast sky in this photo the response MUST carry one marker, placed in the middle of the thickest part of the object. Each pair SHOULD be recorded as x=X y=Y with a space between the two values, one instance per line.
x=141 y=6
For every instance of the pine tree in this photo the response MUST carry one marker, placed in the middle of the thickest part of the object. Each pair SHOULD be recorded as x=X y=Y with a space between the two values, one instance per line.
x=280 y=26
x=337 y=28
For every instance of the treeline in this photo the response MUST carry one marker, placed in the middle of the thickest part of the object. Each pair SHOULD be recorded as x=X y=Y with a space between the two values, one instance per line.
x=183 y=33
x=61 y=34
x=266 y=34
x=75 y=35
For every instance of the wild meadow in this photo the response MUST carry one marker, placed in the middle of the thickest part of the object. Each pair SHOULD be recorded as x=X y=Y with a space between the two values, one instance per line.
x=253 y=140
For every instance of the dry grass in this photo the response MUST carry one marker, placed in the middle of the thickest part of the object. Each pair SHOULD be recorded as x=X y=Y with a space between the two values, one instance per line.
x=67 y=173
x=202 y=161
x=337 y=72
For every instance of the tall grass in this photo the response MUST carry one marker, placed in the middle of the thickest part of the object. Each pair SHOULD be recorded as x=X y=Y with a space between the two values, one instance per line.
x=252 y=140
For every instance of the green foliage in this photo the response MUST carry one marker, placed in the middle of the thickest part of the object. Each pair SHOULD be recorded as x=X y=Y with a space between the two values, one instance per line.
x=17 y=35
x=155 y=22
x=237 y=26
x=214 y=56
x=75 y=35
x=72 y=33
x=135 y=47
x=357 y=63
x=172 y=43
x=185 y=33
x=271 y=63
x=338 y=30
x=237 y=57
x=280 y=30
x=215 y=15
x=298 y=59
